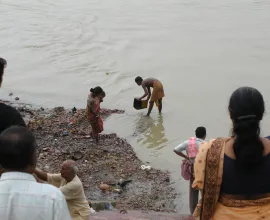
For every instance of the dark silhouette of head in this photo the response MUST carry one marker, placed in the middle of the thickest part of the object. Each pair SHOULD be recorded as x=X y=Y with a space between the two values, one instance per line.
x=18 y=150
x=9 y=117
x=246 y=110
x=3 y=64
x=139 y=80
x=97 y=91
x=200 y=132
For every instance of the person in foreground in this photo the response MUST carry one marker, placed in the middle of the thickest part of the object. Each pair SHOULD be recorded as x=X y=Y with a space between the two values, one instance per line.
x=95 y=97
x=72 y=188
x=8 y=115
x=187 y=146
x=191 y=147
x=234 y=173
x=3 y=65
x=21 y=197
x=157 y=94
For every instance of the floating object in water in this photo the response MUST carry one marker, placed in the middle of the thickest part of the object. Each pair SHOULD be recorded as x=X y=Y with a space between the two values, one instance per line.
x=143 y=167
x=11 y=94
x=140 y=104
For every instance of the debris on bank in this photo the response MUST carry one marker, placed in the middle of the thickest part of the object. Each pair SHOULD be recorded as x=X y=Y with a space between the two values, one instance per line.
x=109 y=170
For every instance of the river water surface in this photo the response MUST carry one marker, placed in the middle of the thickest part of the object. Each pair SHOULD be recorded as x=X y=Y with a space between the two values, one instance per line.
x=200 y=50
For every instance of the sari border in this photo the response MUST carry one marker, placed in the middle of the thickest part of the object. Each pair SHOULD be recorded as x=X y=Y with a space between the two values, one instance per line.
x=244 y=201
x=211 y=186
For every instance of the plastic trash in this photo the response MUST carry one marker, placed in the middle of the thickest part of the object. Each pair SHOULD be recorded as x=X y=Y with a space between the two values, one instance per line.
x=143 y=167
x=92 y=211
x=65 y=133
x=109 y=206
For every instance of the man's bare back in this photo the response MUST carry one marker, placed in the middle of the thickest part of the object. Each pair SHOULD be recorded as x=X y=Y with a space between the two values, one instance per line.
x=148 y=82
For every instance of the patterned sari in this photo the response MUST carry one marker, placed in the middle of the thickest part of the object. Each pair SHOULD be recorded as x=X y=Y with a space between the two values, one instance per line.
x=96 y=122
x=208 y=170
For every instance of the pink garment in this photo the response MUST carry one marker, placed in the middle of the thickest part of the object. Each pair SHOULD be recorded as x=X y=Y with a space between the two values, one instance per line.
x=192 y=147
x=187 y=164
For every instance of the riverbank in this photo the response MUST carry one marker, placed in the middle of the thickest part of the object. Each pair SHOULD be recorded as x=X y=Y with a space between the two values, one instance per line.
x=64 y=134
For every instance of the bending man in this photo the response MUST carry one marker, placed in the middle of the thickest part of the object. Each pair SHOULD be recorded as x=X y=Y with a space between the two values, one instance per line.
x=157 y=94
x=72 y=188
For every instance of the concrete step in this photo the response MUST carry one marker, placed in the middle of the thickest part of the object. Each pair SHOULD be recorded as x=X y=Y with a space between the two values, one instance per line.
x=138 y=215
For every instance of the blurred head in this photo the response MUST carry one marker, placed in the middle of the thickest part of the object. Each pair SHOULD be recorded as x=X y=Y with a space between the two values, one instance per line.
x=9 y=117
x=18 y=150
x=96 y=91
x=69 y=170
x=246 y=110
x=200 y=132
x=3 y=64
x=102 y=96
x=139 y=80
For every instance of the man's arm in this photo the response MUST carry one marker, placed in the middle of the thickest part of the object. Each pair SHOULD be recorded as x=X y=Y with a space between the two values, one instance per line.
x=181 y=154
x=145 y=92
x=41 y=175
x=181 y=147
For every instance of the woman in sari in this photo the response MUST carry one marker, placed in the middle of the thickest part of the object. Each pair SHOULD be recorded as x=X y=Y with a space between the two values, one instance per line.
x=93 y=111
x=233 y=173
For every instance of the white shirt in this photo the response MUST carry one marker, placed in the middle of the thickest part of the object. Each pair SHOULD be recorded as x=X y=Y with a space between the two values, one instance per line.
x=22 y=198
x=183 y=146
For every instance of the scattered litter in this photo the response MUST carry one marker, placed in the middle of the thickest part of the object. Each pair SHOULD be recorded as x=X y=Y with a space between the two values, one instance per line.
x=77 y=155
x=117 y=190
x=109 y=206
x=143 y=167
x=123 y=211
x=104 y=187
x=74 y=110
x=65 y=133
x=92 y=211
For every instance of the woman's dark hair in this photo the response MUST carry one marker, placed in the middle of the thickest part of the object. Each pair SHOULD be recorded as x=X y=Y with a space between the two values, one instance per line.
x=96 y=91
x=17 y=148
x=246 y=109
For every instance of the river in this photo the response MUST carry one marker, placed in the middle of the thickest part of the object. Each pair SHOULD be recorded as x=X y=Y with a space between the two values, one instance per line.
x=200 y=50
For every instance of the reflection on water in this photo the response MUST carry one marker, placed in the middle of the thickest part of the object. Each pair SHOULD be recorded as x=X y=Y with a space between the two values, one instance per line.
x=151 y=132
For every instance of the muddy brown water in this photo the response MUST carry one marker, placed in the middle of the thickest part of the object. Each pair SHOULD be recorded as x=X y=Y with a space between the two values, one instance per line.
x=200 y=50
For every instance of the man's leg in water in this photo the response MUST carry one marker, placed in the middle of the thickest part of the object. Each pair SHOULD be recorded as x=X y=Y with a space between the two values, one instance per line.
x=160 y=105
x=151 y=104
